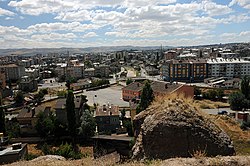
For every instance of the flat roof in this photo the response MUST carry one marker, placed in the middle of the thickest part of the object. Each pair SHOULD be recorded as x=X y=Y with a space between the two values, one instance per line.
x=109 y=137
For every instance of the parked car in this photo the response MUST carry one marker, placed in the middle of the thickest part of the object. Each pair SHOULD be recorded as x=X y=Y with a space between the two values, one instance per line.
x=222 y=112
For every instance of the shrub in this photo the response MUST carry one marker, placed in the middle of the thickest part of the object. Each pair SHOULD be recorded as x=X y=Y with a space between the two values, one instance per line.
x=67 y=151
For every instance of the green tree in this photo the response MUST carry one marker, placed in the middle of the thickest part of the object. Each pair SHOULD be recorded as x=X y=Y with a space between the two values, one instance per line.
x=2 y=117
x=129 y=81
x=128 y=125
x=237 y=101
x=147 y=97
x=68 y=84
x=19 y=98
x=88 y=125
x=197 y=91
x=220 y=94
x=245 y=87
x=71 y=117
x=45 y=125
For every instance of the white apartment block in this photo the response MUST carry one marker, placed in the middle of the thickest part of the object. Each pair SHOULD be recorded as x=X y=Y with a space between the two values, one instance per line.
x=72 y=70
x=220 y=67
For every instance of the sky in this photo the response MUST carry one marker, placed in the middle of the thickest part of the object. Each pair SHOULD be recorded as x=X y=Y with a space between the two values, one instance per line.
x=88 y=23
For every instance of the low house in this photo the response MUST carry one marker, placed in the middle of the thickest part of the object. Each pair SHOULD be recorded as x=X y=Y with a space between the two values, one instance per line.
x=232 y=83
x=81 y=84
x=13 y=153
x=107 y=118
x=61 y=113
x=27 y=119
x=162 y=88
x=133 y=90
x=151 y=70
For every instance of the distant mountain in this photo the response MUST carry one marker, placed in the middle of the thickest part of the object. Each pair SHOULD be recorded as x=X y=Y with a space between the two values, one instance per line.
x=43 y=51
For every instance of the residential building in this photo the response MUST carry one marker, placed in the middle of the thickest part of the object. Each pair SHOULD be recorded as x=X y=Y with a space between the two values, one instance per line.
x=131 y=91
x=170 y=55
x=27 y=119
x=102 y=71
x=33 y=73
x=189 y=70
x=230 y=68
x=46 y=74
x=161 y=89
x=13 y=153
x=2 y=78
x=151 y=70
x=89 y=72
x=13 y=72
x=28 y=84
x=61 y=113
x=81 y=84
x=107 y=118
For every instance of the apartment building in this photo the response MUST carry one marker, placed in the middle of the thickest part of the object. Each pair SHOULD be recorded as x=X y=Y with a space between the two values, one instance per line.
x=70 y=70
x=230 y=68
x=189 y=70
x=13 y=71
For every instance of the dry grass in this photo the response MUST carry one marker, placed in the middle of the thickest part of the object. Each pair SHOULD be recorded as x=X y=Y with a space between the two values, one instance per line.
x=208 y=104
x=240 y=138
x=199 y=153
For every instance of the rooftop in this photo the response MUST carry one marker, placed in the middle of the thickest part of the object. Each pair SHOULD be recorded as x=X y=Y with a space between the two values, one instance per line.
x=135 y=86
x=107 y=110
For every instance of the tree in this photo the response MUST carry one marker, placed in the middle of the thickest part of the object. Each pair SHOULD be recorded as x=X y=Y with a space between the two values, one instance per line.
x=197 y=91
x=220 y=94
x=2 y=117
x=237 y=101
x=129 y=81
x=68 y=84
x=88 y=125
x=147 y=97
x=45 y=125
x=71 y=117
x=19 y=98
x=245 y=87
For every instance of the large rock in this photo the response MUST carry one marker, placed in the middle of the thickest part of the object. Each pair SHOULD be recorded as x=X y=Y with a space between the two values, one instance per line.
x=173 y=127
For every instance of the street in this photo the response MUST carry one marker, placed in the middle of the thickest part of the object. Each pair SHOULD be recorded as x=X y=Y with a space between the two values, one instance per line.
x=215 y=111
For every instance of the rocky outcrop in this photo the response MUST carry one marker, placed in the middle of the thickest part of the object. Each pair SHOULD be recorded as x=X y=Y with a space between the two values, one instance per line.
x=173 y=127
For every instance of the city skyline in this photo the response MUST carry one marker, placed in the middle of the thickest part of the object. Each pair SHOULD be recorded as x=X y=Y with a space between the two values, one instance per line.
x=57 y=23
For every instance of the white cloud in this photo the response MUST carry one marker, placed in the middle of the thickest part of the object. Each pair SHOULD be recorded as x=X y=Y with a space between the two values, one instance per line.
x=90 y=34
x=243 y=3
x=214 y=9
x=4 y=12
x=59 y=26
x=54 y=36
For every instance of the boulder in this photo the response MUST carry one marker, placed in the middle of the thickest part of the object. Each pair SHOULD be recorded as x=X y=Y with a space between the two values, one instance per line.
x=174 y=127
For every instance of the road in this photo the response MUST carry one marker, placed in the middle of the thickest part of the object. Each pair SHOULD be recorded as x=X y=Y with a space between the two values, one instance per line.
x=215 y=111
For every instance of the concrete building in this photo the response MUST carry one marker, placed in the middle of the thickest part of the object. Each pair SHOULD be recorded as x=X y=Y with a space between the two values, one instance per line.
x=61 y=113
x=102 y=71
x=133 y=90
x=28 y=84
x=190 y=70
x=107 y=118
x=89 y=72
x=13 y=153
x=230 y=68
x=170 y=55
x=27 y=119
x=2 y=78
x=13 y=72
